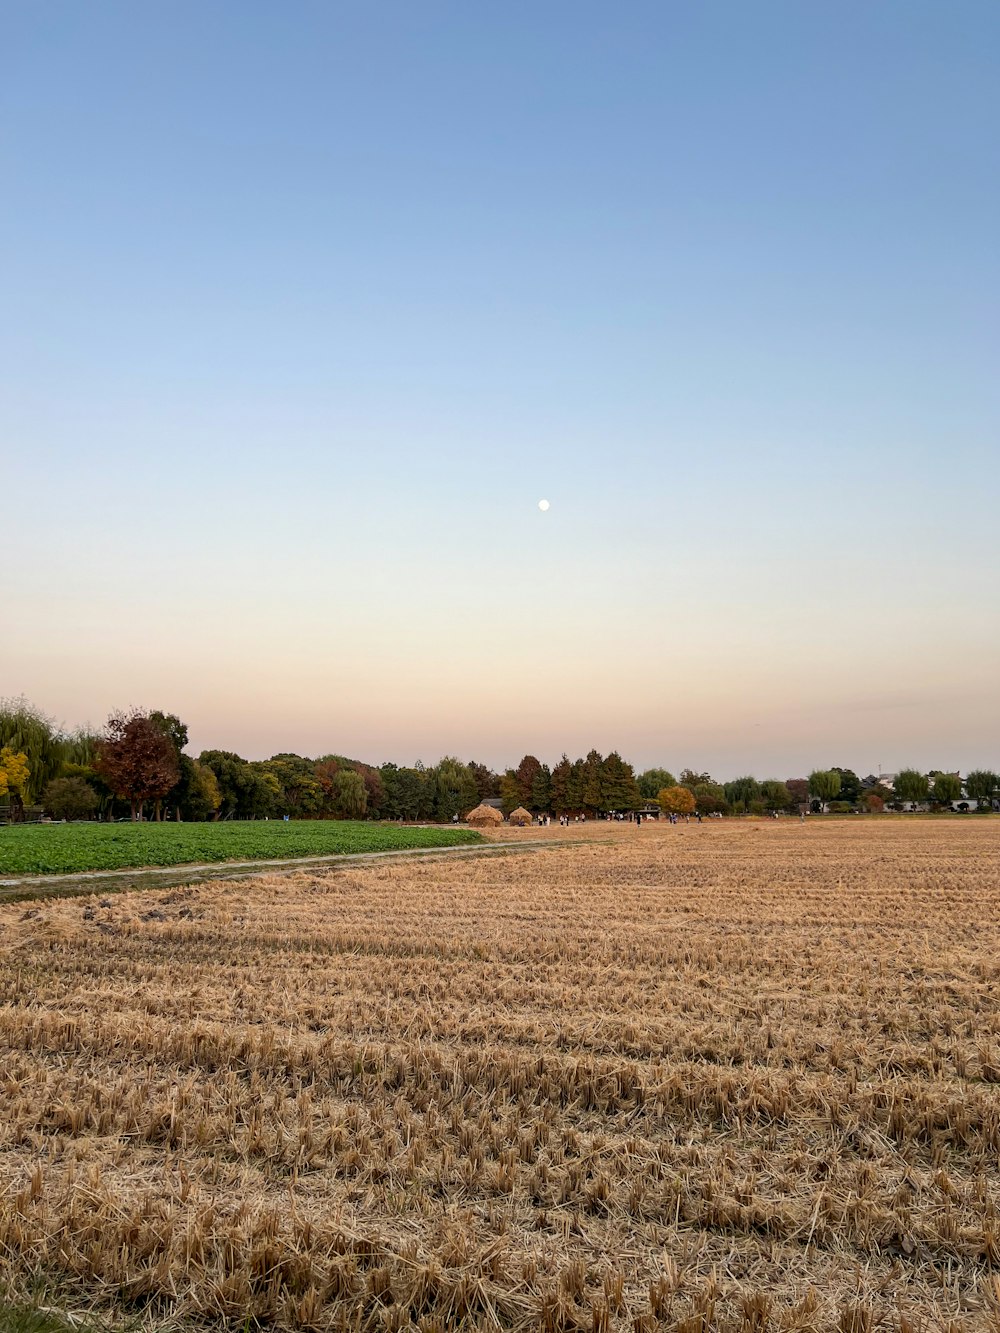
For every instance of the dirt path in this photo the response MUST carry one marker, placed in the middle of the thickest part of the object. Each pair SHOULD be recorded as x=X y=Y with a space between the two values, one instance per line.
x=92 y=881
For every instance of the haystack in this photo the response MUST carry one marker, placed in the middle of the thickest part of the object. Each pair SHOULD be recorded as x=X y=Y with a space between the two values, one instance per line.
x=520 y=816
x=484 y=816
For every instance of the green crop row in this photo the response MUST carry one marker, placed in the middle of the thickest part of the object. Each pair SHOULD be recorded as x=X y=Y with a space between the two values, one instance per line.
x=45 y=849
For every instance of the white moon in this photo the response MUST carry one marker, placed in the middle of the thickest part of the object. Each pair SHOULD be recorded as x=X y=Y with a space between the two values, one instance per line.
x=543 y=505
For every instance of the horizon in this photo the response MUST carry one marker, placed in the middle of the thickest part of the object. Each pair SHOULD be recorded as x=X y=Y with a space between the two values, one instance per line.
x=306 y=312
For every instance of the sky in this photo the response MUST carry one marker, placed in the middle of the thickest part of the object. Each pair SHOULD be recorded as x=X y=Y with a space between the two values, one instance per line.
x=304 y=307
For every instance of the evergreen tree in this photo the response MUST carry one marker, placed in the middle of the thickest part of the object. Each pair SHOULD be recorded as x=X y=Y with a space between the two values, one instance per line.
x=575 y=787
x=541 y=791
x=561 y=778
x=592 y=782
x=510 y=792
x=527 y=771
x=619 y=789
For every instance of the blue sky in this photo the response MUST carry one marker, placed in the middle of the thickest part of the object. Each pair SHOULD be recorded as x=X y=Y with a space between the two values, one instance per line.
x=306 y=307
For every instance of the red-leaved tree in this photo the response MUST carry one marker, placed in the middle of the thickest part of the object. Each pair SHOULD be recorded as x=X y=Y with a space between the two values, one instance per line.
x=137 y=760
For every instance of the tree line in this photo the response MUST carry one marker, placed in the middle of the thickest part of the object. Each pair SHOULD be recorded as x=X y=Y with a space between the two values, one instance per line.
x=138 y=766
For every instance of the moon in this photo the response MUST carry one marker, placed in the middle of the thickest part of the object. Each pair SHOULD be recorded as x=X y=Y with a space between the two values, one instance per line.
x=543 y=505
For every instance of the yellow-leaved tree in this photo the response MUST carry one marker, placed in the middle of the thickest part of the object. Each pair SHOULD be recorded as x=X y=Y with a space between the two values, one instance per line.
x=14 y=776
x=676 y=801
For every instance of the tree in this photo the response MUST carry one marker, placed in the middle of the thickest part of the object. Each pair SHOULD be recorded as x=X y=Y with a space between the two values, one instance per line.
x=911 y=786
x=947 y=788
x=26 y=730
x=350 y=799
x=653 y=781
x=575 y=786
x=559 y=786
x=798 y=789
x=874 y=803
x=374 y=790
x=69 y=798
x=541 y=791
x=510 y=792
x=299 y=793
x=526 y=772
x=137 y=760
x=172 y=727
x=592 y=782
x=197 y=795
x=455 y=788
x=824 y=784
x=177 y=733
x=619 y=789
x=404 y=791
x=742 y=794
x=981 y=786
x=487 y=782
x=775 y=795
x=690 y=779
x=245 y=791
x=80 y=750
x=15 y=775
x=676 y=801
x=710 y=798
x=850 y=785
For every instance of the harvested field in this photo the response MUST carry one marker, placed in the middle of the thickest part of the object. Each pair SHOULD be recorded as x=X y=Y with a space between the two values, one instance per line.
x=736 y=1076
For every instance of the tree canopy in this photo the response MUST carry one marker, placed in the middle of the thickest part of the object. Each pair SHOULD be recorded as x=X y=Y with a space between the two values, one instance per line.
x=911 y=786
x=824 y=784
x=142 y=750
x=947 y=788
x=26 y=730
x=677 y=800
x=137 y=759
x=982 y=784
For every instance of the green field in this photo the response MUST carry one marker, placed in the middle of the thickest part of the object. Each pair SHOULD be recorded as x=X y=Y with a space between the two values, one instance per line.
x=49 y=849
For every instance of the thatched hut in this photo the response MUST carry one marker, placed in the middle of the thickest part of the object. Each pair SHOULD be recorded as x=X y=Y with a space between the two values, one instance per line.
x=520 y=817
x=484 y=816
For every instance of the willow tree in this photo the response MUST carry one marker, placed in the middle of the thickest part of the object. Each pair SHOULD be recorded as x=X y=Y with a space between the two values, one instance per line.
x=981 y=785
x=26 y=730
x=824 y=784
x=947 y=788
x=742 y=794
x=911 y=786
